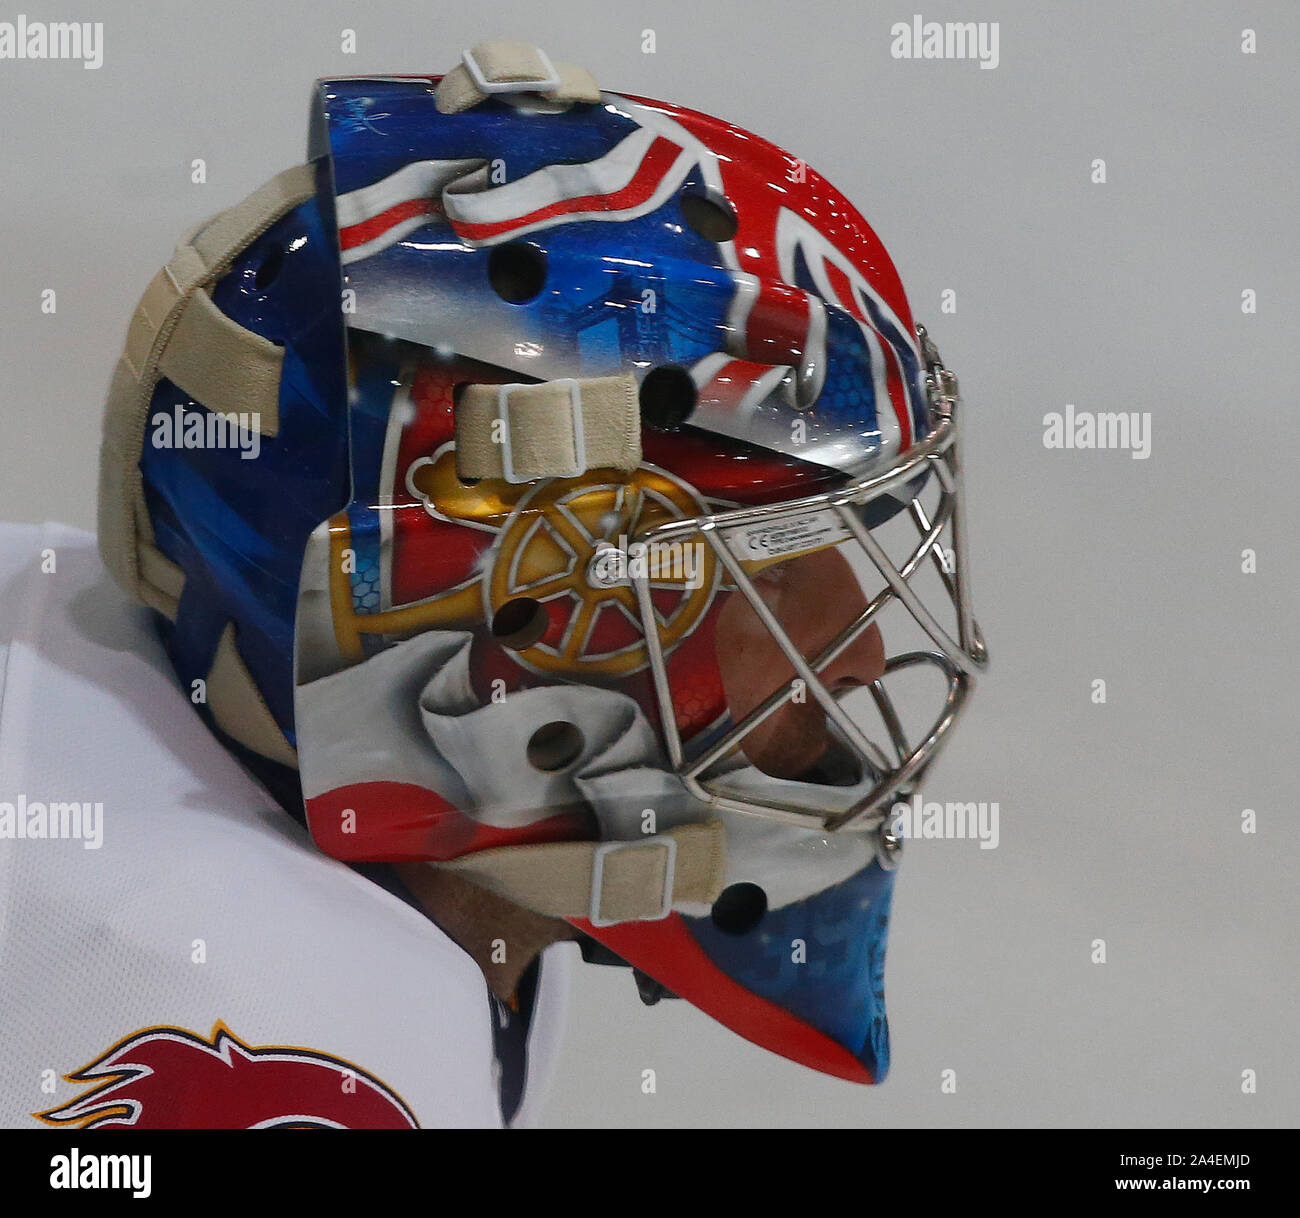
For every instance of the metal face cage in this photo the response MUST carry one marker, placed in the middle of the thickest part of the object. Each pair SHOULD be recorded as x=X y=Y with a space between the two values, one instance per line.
x=898 y=766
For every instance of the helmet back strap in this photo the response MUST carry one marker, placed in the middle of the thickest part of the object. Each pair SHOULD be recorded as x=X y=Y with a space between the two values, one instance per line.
x=178 y=333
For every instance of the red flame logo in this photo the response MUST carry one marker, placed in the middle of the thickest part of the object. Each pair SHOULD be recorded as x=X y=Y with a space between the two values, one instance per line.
x=171 y=1078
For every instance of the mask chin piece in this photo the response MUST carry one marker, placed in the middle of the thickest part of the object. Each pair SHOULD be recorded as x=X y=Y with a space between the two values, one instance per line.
x=840 y=766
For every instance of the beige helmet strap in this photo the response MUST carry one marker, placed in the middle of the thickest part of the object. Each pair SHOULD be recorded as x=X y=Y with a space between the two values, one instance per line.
x=178 y=333
x=555 y=429
x=514 y=68
x=605 y=882
x=238 y=707
x=504 y=906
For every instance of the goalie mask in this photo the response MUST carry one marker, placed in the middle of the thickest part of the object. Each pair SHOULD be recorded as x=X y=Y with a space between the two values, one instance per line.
x=605 y=547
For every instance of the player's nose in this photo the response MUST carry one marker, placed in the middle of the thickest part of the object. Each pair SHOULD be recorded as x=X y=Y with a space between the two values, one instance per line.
x=813 y=598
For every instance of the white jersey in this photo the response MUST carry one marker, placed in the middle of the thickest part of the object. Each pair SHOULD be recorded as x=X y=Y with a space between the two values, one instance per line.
x=173 y=950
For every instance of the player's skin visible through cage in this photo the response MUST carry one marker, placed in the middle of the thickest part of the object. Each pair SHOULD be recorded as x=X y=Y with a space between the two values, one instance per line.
x=957 y=659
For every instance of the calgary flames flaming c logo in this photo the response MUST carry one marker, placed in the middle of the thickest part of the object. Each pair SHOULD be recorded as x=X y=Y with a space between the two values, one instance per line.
x=171 y=1078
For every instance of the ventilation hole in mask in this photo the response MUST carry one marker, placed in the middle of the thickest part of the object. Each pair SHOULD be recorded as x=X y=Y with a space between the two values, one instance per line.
x=517 y=271
x=667 y=397
x=520 y=623
x=270 y=267
x=554 y=746
x=739 y=908
x=712 y=218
